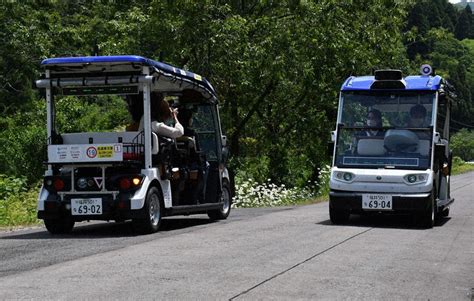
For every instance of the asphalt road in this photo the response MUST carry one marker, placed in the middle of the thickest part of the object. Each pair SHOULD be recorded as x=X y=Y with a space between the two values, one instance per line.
x=282 y=253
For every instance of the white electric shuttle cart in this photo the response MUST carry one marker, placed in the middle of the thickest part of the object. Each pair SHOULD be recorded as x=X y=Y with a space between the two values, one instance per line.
x=132 y=175
x=397 y=165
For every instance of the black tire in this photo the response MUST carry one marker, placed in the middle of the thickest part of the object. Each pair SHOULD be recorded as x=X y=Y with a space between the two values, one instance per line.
x=62 y=225
x=152 y=213
x=226 y=199
x=427 y=217
x=339 y=217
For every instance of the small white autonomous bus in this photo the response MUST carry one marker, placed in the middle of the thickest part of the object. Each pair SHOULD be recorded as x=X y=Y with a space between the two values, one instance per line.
x=135 y=174
x=391 y=147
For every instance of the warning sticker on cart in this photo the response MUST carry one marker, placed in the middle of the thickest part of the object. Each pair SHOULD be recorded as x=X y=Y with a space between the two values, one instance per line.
x=105 y=151
x=72 y=153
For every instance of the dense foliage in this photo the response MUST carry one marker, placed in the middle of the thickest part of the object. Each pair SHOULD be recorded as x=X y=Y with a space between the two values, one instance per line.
x=462 y=144
x=276 y=65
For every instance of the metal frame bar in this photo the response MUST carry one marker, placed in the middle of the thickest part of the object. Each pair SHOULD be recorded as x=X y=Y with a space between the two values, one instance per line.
x=92 y=81
x=147 y=117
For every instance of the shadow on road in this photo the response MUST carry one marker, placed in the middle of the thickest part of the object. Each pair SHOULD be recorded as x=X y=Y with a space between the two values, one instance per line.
x=384 y=221
x=111 y=229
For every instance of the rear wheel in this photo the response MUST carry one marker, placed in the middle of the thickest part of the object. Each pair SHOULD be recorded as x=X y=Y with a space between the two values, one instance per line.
x=150 y=222
x=62 y=225
x=339 y=216
x=226 y=199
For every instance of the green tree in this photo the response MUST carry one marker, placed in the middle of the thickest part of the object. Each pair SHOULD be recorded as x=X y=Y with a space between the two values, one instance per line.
x=462 y=144
x=463 y=28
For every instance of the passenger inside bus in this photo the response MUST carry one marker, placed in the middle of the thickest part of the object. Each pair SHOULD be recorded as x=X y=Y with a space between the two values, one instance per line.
x=374 y=120
x=370 y=140
x=417 y=116
x=160 y=115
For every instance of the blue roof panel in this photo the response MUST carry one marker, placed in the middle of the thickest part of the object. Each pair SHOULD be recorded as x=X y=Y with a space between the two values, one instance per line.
x=414 y=82
x=133 y=59
x=96 y=59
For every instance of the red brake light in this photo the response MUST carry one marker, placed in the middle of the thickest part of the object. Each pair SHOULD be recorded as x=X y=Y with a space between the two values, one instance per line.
x=58 y=184
x=124 y=183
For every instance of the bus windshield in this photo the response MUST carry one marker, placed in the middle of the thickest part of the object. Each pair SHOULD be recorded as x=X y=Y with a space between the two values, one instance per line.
x=385 y=130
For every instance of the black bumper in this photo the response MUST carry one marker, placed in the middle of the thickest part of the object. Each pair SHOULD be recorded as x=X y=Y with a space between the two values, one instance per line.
x=112 y=209
x=342 y=200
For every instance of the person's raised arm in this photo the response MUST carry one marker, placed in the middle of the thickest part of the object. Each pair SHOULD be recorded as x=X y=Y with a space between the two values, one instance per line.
x=168 y=131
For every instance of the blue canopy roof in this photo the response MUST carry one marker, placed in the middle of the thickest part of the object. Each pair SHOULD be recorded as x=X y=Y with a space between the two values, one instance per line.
x=130 y=59
x=414 y=82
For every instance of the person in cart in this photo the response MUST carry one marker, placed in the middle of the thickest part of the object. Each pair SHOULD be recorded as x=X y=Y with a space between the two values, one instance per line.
x=161 y=113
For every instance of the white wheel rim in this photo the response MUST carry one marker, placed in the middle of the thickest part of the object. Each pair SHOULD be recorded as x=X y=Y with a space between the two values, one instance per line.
x=226 y=201
x=154 y=210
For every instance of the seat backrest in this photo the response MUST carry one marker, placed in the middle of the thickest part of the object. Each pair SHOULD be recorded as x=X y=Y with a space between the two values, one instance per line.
x=370 y=147
x=424 y=147
x=99 y=137
x=155 y=146
x=185 y=142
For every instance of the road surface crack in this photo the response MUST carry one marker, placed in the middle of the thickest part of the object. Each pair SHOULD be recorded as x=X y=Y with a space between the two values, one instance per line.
x=297 y=265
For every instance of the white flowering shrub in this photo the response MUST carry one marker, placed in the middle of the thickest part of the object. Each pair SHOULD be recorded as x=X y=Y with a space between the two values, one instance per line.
x=249 y=193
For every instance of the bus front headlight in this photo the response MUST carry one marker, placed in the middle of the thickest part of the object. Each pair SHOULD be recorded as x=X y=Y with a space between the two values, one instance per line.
x=415 y=178
x=344 y=176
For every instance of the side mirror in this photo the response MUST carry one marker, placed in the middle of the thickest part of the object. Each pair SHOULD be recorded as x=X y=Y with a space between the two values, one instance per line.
x=442 y=98
x=436 y=137
x=440 y=151
x=225 y=154
x=224 y=140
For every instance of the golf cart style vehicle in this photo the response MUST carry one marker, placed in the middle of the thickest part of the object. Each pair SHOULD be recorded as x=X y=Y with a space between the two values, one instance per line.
x=391 y=147
x=135 y=174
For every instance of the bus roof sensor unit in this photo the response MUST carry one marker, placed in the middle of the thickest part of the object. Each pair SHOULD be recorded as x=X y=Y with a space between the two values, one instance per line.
x=388 y=79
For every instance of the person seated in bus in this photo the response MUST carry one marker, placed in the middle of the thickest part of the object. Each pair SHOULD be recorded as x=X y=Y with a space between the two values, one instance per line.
x=417 y=116
x=162 y=116
x=373 y=131
x=186 y=118
x=374 y=122
x=417 y=120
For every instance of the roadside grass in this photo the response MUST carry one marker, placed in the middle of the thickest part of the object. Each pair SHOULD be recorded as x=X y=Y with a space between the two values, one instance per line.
x=19 y=210
x=459 y=166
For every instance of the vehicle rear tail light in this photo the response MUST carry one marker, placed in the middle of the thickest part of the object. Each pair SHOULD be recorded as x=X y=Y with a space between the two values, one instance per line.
x=130 y=182
x=125 y=184
x=58 y=184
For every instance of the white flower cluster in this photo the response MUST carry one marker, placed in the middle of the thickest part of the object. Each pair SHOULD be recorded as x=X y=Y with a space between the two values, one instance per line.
x=249 y=193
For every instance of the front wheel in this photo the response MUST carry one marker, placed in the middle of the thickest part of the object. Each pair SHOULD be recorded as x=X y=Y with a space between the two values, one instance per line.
x=62 y=225
x=151 y=220
x=226 y=199
x=427 y=216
